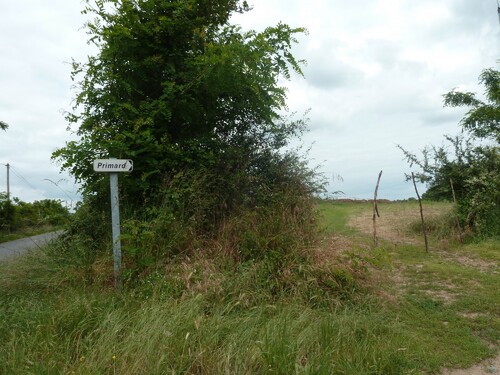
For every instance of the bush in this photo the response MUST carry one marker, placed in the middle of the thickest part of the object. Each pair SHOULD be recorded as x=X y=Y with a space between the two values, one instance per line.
x=474 y=171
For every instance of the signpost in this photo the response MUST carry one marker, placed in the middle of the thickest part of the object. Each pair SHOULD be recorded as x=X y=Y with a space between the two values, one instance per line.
x=113 y=167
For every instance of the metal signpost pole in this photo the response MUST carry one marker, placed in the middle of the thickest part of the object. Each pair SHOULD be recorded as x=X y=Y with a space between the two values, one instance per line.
x=113 y=167
x=115 y=226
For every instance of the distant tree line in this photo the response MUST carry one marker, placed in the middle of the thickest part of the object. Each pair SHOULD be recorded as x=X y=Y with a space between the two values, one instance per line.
x=17 y=215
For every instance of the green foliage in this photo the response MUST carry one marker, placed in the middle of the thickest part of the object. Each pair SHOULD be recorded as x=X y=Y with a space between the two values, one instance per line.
x=87 y=236
x=277 y=233
x=441 y=226
x=473 y=165
x=3 y=125
x=17 y=215
x=213 y=315
x=174 y=86
x=474 y=172
x=105 y=334
x=7 y=213
x=438 y=166
x=196 y=103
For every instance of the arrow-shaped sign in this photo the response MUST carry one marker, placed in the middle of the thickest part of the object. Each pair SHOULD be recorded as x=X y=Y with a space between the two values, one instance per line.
x=113 y=165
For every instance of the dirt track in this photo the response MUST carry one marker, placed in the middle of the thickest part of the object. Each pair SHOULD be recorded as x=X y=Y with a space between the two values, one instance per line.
x=393 y=226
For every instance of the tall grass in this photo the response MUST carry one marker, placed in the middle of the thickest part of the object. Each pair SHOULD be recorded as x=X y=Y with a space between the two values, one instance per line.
x=208 y=311
x=441 y=224
x=90 y=332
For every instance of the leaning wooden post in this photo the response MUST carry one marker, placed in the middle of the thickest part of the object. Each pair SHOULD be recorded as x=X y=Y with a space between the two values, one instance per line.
x=457 y=220
x=421 y=213
x=375 y=212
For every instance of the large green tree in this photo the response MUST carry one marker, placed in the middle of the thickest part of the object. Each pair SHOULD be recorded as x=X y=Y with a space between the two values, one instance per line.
x=192 y=99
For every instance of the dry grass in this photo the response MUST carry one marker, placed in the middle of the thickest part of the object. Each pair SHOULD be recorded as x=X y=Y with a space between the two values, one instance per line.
x=395 y=221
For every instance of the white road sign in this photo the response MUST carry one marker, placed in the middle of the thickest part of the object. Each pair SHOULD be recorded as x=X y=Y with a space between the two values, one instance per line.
x=113 y=165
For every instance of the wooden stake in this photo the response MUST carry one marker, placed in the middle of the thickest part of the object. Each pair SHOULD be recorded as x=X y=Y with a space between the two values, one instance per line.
x=421 y=214
x=457 y=221
x=375 y=212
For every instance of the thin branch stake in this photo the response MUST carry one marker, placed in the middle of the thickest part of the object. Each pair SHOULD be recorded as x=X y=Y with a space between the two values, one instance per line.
x=421 y=214
x=375 y=212
x=457 y=221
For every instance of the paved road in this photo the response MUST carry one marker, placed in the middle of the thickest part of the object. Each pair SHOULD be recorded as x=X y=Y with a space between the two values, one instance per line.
x=21 y=246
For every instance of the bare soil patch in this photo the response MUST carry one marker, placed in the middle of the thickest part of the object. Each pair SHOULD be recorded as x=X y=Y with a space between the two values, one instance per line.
x=480 y=264
x=487 y=367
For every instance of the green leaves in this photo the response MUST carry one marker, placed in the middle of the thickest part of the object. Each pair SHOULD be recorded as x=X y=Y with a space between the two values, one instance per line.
x=483 y=119
x=18 y=215
x=195 y=102
x=173 y=76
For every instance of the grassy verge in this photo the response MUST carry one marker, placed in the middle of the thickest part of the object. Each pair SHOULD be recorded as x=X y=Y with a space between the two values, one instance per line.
x=403 y=311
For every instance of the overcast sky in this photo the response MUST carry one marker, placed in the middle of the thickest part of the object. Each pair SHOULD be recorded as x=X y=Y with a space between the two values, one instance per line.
x=376 y=72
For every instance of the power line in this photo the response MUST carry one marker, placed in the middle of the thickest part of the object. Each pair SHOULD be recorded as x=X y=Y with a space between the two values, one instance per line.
x=25 y=180
x=18 y=174
x=57 y=185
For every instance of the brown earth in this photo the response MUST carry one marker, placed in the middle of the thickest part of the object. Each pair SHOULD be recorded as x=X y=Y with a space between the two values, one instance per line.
x=487 y=367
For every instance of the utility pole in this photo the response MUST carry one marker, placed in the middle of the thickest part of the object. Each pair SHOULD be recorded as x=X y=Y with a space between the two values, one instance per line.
x=498 y=10
x=8 y=181
x=9 y=222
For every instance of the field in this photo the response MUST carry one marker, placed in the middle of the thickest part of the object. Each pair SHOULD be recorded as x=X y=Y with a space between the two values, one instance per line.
x=352 y=308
